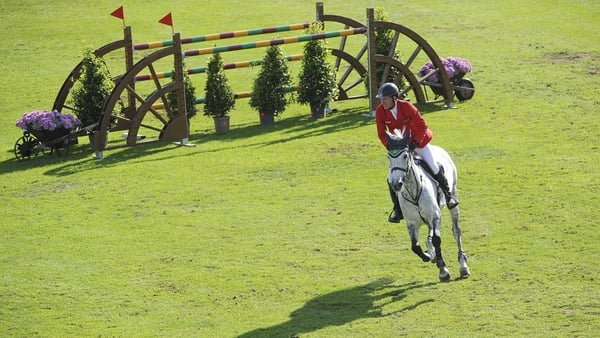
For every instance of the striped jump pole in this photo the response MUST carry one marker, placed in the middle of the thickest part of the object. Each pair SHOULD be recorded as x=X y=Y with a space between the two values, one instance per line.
x=199 y=70
x=281 y=41
x=225 y=35
x=238 y=95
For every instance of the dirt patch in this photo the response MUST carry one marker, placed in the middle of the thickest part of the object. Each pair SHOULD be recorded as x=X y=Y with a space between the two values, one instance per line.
x=573 y=58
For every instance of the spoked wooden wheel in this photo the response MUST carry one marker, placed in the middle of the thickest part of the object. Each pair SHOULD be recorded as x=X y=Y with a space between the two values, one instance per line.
x=27 y=146
x=350 y=74
x=413 y=51
x=151 y=112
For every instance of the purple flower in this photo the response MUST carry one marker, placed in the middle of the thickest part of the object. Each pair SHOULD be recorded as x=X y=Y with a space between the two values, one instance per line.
x=452 y=65
x=46 y=120
x=461 y=65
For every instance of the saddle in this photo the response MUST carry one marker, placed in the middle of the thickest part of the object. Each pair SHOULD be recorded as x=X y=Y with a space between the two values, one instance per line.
x=422 y=163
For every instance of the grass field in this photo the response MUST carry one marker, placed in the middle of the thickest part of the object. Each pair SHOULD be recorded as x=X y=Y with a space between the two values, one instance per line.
x=281 y=232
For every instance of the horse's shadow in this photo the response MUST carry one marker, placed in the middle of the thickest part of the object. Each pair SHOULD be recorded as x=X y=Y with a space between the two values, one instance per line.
x=342 y=307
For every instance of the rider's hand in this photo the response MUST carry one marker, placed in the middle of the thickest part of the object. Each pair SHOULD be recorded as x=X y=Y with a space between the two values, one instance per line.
x=413 y=145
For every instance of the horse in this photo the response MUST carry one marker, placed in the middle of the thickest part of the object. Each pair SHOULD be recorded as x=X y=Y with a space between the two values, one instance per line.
x=421 y=200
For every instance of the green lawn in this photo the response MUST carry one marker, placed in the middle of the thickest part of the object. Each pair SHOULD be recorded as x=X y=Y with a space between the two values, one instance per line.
x=280 y=232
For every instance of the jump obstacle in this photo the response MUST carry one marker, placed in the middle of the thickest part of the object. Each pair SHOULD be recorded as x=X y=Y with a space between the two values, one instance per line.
x=136 y=107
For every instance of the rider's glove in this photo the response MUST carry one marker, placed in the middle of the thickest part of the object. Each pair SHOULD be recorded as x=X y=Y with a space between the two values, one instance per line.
x=413 y=145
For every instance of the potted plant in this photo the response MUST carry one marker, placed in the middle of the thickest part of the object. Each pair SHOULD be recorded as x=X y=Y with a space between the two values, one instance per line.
x=317 y=86
x=189 y=93
x=91 y=91
x=271 y=86
x=219 y=98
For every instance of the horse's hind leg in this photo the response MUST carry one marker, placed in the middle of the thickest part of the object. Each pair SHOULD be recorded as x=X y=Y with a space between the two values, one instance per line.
x=456 y=231
x=413 y=232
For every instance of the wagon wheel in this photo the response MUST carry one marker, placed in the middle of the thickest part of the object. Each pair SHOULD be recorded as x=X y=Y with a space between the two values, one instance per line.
x=350 y=74
x=464 y=89
x=154 y=112
x=406 y=53
x=352 y=69
x=26 y=146
x=400 y=64
x=350 y=58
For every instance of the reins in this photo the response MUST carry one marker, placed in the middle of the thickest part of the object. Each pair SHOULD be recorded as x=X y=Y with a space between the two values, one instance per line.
x=412 y=198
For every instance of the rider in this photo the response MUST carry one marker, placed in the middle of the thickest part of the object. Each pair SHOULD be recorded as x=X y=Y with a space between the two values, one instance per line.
x=393 y=113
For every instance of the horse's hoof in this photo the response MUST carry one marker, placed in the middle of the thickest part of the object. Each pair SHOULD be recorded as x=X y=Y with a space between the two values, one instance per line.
x=428 y=257
x=444 y=274
x=464 y=268
x=465 y=272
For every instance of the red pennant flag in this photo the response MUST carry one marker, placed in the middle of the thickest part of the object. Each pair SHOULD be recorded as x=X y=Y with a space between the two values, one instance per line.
x=118 y=13
x=167 y=20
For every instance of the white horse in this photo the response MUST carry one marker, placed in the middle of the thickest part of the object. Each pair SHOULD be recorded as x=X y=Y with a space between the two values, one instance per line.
x=421 y=201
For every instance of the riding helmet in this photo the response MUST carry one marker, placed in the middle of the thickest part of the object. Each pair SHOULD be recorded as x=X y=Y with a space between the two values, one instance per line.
x=387 y=89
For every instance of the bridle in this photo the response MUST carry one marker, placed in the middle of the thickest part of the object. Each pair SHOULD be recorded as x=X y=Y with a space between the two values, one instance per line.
x=395 y=153
x=409 y=196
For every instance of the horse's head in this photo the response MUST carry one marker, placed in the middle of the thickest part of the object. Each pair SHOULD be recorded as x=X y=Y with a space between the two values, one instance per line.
x=398 y=154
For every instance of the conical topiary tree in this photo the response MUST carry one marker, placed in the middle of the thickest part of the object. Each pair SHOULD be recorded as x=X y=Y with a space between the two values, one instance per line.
x=91 y=89
x=272 y=86
x=317 y=86
x=219 y=98
x=190 y=96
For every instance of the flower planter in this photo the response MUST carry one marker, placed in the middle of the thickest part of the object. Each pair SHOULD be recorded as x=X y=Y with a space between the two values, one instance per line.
x=52 y=138
x=456 y=69
x=44 y=129
x=464 y=89
x=49 y=135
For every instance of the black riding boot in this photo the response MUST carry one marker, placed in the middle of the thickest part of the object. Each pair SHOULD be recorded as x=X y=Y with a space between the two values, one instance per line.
x=396 y=214
x=451 y=201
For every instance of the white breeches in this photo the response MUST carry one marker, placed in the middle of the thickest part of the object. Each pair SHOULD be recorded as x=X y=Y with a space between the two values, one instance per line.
x=426 y=154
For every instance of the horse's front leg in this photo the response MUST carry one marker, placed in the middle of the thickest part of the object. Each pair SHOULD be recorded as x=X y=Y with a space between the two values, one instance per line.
x=456 y=231
x=413 y=232
x=436 y=240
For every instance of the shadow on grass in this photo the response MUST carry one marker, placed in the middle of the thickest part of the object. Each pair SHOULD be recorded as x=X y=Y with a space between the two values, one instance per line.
x=428 y=108
x=301 y=126
x=342 y=307
x=296 y=127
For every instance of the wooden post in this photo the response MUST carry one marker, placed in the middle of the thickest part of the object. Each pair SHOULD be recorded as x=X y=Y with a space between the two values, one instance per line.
x=319 y=11
x=128 y=65
x=372 y=69
x=178 y=127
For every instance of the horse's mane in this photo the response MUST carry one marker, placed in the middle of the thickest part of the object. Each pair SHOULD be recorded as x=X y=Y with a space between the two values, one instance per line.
x=397 y=139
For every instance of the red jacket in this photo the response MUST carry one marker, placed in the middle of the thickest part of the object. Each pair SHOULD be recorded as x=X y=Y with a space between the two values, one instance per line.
x=409 y=118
